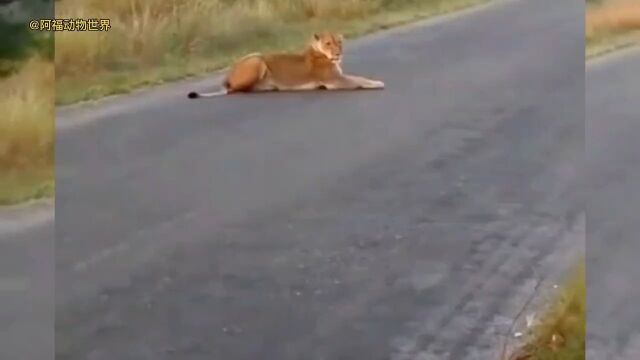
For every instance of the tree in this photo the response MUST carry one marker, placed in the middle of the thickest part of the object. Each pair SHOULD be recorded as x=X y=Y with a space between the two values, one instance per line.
x=17 y=41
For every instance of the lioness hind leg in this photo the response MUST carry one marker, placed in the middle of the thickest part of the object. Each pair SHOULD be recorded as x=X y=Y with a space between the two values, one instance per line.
x=246 y=75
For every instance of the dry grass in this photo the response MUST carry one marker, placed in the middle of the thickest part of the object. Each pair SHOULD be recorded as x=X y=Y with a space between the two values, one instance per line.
x=157 y=40
x=612 y=24
x=27 y=132
x=561 y=332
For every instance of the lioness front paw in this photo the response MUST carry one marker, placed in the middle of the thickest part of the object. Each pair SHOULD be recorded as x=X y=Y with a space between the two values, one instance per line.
x=377 y=84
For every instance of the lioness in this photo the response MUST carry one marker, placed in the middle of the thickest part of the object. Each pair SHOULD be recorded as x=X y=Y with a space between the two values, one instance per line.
x=318 y=67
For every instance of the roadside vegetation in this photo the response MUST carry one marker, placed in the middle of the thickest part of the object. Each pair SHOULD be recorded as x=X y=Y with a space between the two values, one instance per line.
x=611 y=25
x=27 y=84
x=153 y=41
x=561 y=331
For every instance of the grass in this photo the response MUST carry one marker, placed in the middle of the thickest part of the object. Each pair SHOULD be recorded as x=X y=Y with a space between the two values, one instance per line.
x=27 y=132
x=611 y=25
x=155 y=41
x=560 y=333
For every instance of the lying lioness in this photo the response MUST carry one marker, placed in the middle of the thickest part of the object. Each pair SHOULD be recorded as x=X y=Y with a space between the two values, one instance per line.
x=318 y=67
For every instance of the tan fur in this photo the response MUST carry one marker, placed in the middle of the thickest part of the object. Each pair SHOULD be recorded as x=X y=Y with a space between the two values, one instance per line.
x=316 y=68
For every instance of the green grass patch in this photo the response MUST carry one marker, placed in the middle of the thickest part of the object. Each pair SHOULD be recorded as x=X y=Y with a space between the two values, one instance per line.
x=32 y=185
x=561 y=331
x=607 y=43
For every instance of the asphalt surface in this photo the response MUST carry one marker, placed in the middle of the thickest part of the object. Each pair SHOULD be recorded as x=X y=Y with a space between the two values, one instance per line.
x=27 y=283
x=613 y=154
x=409 y=223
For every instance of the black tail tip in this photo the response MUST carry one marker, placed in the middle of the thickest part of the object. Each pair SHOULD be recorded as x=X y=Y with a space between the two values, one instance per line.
x=193 y=95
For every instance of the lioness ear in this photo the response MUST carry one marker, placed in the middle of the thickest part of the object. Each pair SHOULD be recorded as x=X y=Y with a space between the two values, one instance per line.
x=340 y=37
x=316 y=36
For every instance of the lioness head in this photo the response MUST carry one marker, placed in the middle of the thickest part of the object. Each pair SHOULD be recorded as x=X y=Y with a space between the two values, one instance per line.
x=328 y=44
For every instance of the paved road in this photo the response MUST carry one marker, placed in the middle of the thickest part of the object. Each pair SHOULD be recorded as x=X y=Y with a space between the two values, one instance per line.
x=27 y=283
x=399 y=224
x=613 y=153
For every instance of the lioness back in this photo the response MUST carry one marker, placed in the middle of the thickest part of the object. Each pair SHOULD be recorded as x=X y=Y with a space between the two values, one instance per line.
x=289 y=69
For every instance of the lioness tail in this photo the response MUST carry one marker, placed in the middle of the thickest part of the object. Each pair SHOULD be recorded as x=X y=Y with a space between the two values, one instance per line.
x=195 y=95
